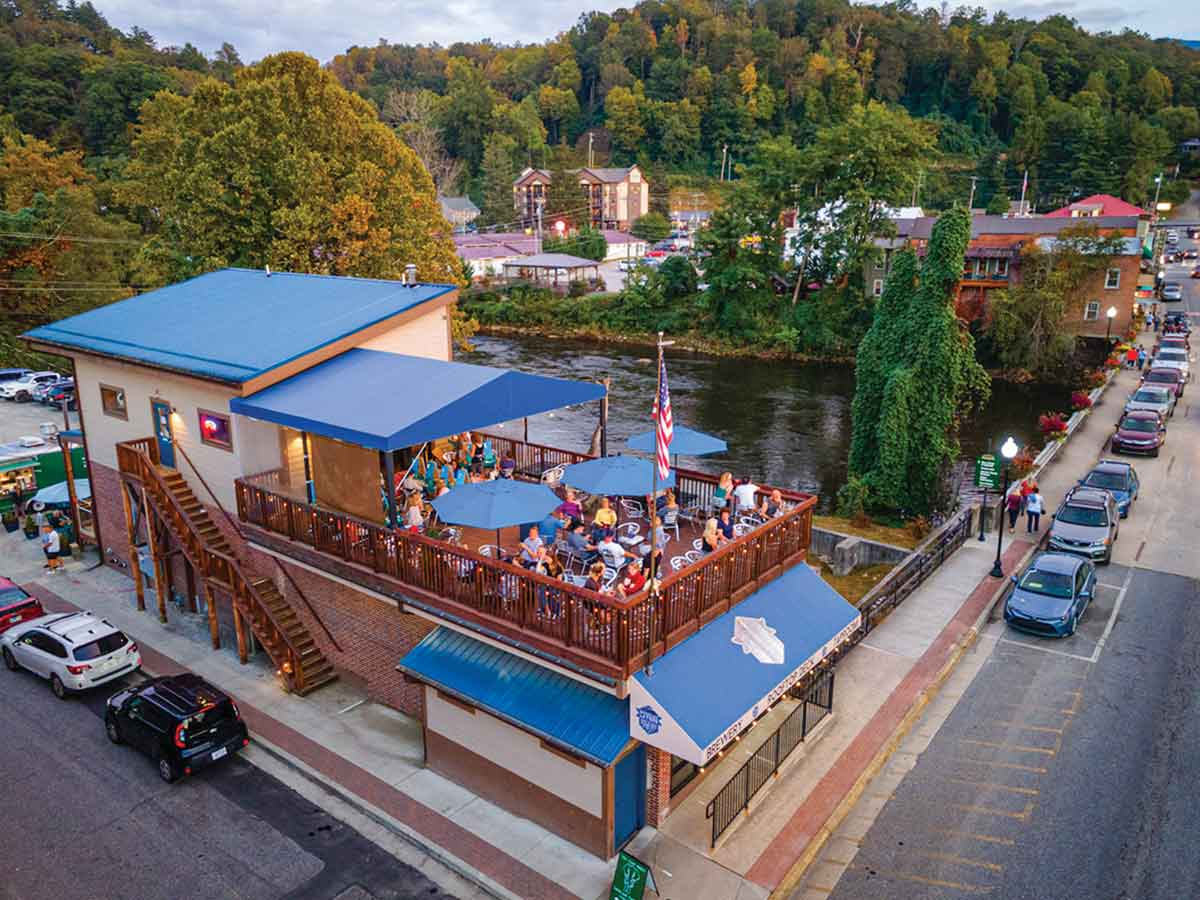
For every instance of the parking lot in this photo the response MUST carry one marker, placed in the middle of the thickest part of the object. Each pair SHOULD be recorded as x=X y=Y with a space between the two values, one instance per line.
x=1094 y=628
x=20 y=419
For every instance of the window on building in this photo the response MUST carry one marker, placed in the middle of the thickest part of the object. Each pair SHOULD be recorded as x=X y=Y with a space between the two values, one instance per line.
x=1112 y=279
x=112 y=401
x=877 y=288
x=1091 y=312
x=1002 y=268
x=215 y=430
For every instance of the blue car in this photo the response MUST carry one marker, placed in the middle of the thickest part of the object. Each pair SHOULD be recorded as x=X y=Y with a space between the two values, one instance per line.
x=1049 y=599
x=1118 y=478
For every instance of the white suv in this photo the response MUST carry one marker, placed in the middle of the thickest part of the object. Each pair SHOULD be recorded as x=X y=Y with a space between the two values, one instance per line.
x=75 y=651
x=22 y=388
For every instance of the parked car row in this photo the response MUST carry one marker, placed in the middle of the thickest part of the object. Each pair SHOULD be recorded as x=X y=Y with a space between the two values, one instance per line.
x=181 y=722
x=20 y=384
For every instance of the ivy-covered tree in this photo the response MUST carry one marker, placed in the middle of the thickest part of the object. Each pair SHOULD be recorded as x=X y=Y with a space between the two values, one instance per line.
x=918 y=377
x=651 y=227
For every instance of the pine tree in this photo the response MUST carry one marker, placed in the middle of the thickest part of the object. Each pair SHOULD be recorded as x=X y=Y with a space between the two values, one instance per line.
x=565 y=199
x=499 y=171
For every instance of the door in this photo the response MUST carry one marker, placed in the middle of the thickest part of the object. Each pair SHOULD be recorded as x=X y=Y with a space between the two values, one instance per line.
x=629 y=796
x=160 y=413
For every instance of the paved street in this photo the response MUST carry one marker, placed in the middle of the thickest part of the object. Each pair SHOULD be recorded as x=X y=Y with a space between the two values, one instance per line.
x=86 y=819
x=1055 y=769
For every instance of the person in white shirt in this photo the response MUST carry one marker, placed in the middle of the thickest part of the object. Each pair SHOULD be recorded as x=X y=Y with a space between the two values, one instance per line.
x=613 y=554
x=745 y=495
x=51 y=547
x=1033 y=511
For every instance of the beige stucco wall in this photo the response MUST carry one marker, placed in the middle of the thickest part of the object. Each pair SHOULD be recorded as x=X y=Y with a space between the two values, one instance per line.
x=255 y=444
x=517 y=751
x=427 y=336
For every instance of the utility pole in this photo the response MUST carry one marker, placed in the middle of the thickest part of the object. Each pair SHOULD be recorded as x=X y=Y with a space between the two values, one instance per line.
x=724 y=151
x=971 y=200
x=1157 y=188
x=917 y=187
x=591 y=158
x=538 y=232
x=1024 y=185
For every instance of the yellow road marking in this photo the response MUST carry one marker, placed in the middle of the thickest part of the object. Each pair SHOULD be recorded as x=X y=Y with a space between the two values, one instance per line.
x=819 y=888
x=1030 y=792
x=1039 y=708
x=1043 y=728
x=837 y=862
x=975 y=836
x=1041 y=770
x=991 y=811
x=1020 y=748
x=963 y=861
x=921 y=879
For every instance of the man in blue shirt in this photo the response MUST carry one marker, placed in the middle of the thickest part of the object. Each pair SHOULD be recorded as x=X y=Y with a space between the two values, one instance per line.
x=549 y=526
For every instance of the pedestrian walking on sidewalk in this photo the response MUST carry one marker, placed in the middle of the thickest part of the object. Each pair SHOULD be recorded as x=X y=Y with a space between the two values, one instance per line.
x=1131 y=357
x=1141 y=358
x=1012 y=503
x=1033 y=511
x=51 y=546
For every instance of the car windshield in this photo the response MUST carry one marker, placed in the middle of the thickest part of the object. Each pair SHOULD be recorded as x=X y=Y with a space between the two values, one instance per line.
x=101 y=647
x=1052 y=584
x=10 y=595
x=1173 y=355
x=1083 y=515
x=1110 y=481
x=1151 y=396
x=1163 y=377
x=1147 y=425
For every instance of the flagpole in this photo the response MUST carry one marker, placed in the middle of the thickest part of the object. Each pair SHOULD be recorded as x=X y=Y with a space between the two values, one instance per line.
x=650 y=511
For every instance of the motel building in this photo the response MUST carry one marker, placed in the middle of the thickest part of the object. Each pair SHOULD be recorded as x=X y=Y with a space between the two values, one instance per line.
x=239 y=428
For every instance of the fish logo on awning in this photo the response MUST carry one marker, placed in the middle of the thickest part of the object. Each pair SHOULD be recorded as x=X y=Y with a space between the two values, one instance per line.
x=756 y=637
x=648 y=719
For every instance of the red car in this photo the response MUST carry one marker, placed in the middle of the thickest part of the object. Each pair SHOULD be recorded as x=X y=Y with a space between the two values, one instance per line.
x=16 y=606
x=1171 y=378
x=1139 y=431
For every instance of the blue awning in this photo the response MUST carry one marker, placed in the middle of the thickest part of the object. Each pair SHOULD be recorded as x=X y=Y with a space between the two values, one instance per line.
x=560 y=710
x=705 y=691
x=386 y=401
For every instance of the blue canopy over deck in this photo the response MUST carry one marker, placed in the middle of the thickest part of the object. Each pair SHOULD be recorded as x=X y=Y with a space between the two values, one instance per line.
x=387 y=401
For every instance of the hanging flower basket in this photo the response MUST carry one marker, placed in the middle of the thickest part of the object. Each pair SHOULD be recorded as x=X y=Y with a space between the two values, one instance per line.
x=1052 y=426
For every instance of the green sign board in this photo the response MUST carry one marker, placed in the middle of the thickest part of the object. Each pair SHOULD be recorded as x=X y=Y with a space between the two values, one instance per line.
x=630 y=879
x=987 y=472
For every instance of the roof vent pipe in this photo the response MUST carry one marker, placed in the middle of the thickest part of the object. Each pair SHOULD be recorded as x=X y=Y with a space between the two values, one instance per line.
x=410 y=274
x=268 y=271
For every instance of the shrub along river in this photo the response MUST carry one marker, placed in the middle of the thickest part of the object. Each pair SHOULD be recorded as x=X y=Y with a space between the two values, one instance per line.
x=786 y=423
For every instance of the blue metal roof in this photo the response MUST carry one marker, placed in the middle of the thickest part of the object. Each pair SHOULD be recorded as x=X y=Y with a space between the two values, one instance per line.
x=388 y=400
x=702 y=689
x=561 y=710
x=235 y=324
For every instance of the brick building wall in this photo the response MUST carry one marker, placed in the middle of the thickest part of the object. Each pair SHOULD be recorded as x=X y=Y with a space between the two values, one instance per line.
x=658 y=785
x=373 y=633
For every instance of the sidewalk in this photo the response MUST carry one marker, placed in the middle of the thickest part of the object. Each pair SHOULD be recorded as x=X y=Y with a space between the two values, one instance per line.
x=371 y=755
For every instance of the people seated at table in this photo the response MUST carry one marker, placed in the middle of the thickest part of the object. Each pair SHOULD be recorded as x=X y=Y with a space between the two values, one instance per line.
x=460 y=475
x=508 y=466
x=550 y=566
x=570 y=506
x=477 y=475
x=414 y=514
x=530 y=547
x=666 y=500
x=711 y=539
x=745 y=496
x=724 y=488
x=440 y=488
x=578 y=543
x=633 y=581
x=613 y=554
x=551 y=525
x=772 y=505
x=725 y=525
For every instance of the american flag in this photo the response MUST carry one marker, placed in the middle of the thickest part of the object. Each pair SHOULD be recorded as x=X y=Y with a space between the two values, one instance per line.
x=663 y=423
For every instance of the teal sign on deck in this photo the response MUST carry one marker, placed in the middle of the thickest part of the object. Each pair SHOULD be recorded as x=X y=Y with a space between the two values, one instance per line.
x=987 y=472
x=630 y=878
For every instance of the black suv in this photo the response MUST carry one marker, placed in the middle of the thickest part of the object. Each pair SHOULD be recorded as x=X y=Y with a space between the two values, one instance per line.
x=181 y=721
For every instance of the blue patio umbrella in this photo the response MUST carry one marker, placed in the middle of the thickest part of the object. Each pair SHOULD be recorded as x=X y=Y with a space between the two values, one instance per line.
x=686 y=442
x=496 y=504
x=56 y=496
x=618 y=476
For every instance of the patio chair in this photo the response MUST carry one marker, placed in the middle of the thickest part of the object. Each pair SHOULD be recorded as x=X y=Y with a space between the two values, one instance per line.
x=698 y=545
x=696 y=513
x=489 y=455
x=552 y=476
x=632 y=509
x=739 y=529
x=670 y=521
x=750 y=522
x=678 y=562
x=693 y=556
x=629 y=533
x=610 y=577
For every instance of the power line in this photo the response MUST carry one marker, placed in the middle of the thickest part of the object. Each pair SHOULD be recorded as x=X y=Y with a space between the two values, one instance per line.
x=67 y=237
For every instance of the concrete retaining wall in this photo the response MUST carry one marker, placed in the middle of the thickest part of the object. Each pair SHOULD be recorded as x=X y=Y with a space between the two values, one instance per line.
x=845 y=552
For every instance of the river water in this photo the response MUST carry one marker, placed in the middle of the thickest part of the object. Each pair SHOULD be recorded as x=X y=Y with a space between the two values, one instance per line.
x=786 y=423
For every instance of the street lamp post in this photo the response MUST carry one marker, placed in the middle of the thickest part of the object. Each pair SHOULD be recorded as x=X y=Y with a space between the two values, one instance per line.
x=1008 y=451
x=1110 y=314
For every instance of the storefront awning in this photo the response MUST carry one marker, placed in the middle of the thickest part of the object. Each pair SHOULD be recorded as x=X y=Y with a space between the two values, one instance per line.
x=705 y=691
x=560 y=710
x=386 y=401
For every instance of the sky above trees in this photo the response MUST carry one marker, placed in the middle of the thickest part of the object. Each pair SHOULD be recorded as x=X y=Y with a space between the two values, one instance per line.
x=324 y=28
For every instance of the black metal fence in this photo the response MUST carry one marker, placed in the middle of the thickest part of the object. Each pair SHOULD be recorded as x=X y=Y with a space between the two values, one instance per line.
x=816 y=702
x=816 y=689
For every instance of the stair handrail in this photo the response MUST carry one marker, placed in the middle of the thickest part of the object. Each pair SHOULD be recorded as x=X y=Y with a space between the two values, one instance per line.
x=150 y=474
x=237 y=528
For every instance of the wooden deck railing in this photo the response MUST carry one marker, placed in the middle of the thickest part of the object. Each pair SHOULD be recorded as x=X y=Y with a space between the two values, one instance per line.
x=601 y=633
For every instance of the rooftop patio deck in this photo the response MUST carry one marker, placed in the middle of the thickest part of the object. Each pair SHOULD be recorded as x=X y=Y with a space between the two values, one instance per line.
x=601 y=636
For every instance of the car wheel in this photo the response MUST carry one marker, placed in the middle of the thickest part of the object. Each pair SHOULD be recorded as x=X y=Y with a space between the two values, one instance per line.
x=22 y=397
x=1154 y=452
x=10 y=661
x=60 y=689
x=111 y=729
x=166 y=769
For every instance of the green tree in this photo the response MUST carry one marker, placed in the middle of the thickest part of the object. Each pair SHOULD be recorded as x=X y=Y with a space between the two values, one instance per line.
x=498 y=172
x=623 y=114
x=918 y=377
x=564 y=199
x=676 y=278
x=283 y=168
x=112 y=94
x=466 y=113
x=999 y=203
x=585 y=242
x=652 y=227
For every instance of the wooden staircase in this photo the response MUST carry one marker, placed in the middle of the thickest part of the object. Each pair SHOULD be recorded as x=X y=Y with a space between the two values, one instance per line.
x=275 y=624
